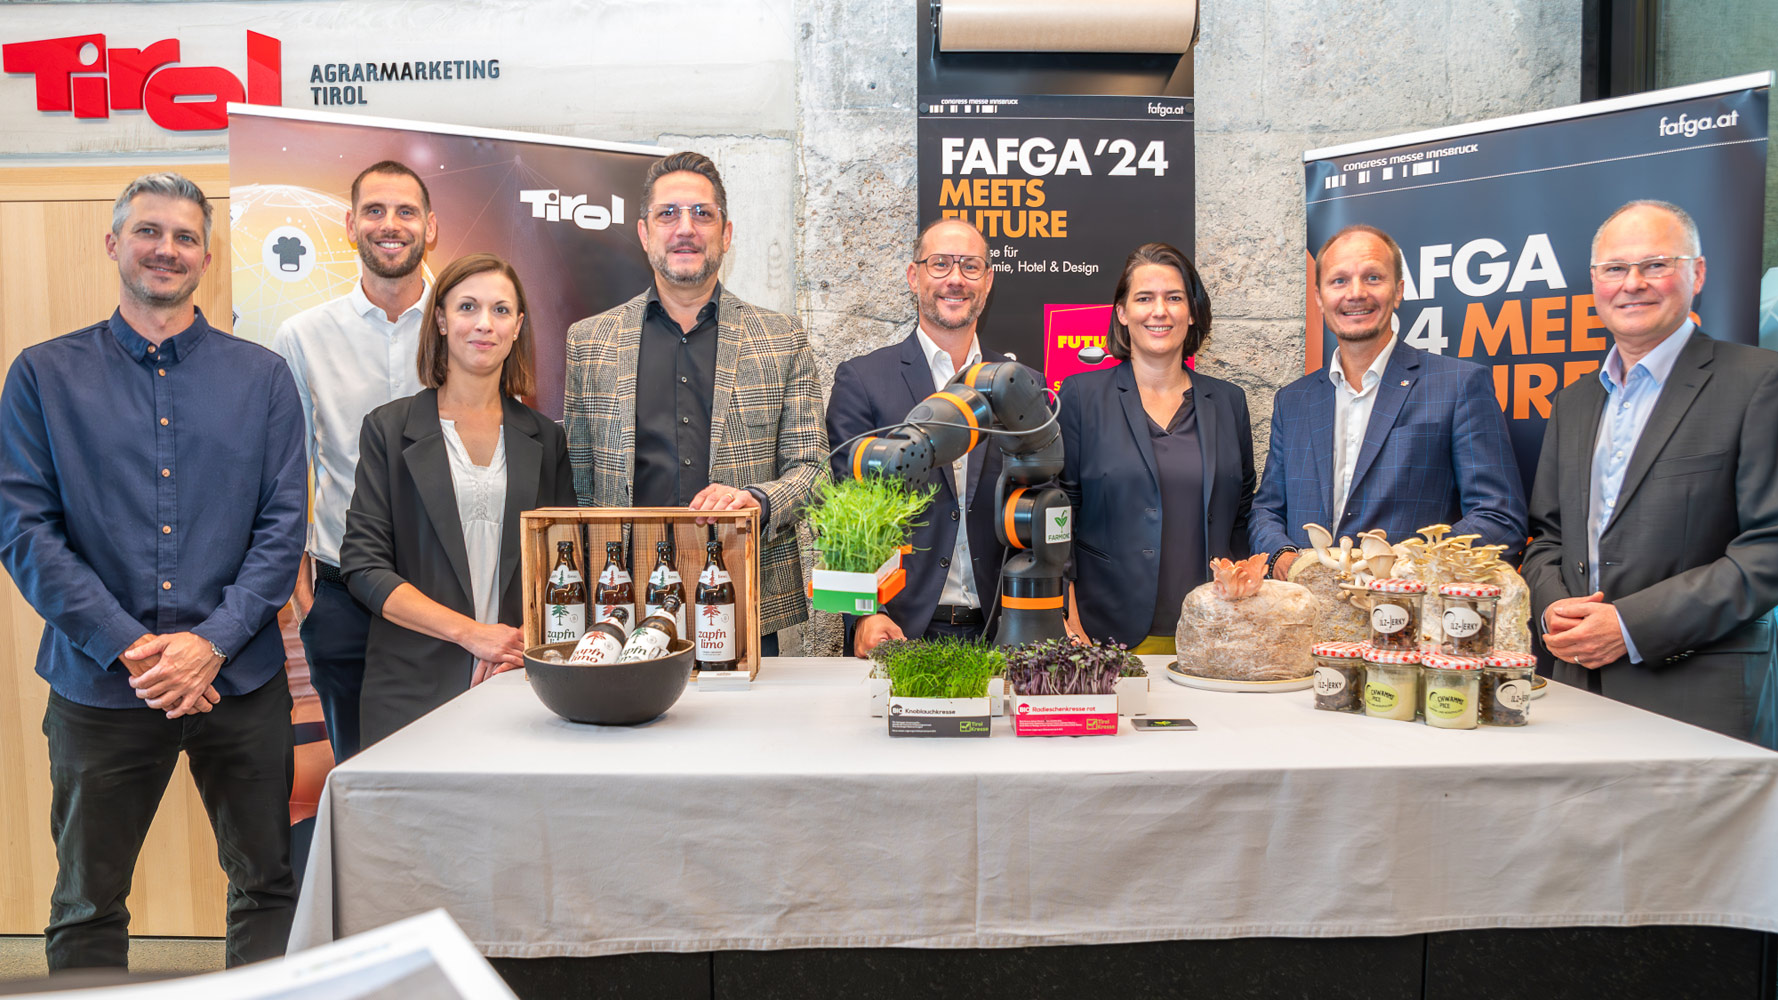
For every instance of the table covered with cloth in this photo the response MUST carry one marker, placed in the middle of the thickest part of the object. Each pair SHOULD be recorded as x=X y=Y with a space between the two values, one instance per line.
x=786 y=817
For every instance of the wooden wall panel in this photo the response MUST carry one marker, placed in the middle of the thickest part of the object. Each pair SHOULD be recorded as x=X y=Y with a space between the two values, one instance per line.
x=54 y=278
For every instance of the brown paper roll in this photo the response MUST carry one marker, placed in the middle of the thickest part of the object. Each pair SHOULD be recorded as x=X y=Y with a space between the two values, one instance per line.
x=1066 y=25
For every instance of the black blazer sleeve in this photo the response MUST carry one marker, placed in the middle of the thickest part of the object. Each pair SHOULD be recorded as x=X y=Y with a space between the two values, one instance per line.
x=367 y=552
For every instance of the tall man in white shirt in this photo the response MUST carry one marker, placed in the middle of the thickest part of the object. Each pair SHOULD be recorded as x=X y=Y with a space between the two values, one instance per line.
x=1653 y=562
x=953 y=575
x=1389 y=436
x=350 y=356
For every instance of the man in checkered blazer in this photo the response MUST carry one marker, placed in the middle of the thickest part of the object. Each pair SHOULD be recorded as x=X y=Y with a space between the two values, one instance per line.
x=1387 y=436
x=686 y=396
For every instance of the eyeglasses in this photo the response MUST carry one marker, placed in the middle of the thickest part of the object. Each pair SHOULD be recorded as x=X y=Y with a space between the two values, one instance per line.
x=1612 y=272
x=939 y=264
x=701 y=215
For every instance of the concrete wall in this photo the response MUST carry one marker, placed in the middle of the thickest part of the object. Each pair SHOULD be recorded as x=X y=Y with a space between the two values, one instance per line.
x=1273 y=78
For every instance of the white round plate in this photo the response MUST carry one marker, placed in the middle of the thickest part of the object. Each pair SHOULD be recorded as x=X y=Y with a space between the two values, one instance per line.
x=1178 y=676
x=1540 y=686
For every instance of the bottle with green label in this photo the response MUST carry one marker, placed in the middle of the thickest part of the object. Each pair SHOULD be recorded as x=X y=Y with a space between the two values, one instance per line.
x=564 y=598
x=656 y=633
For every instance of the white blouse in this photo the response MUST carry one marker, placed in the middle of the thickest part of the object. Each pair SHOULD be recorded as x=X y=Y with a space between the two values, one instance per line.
x=481 y=506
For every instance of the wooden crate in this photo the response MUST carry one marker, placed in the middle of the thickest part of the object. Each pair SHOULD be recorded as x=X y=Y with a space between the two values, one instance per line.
x=738 y=530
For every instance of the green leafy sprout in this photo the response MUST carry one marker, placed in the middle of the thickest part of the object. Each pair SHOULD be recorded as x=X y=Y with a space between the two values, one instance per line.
x=859 y=523
x=939 y=668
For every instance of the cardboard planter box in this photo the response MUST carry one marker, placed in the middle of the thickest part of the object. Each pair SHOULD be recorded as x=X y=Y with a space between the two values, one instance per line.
x=877 y=694
x=1063 y=714
x=1132 y=695
x=857 y=593
x=589 y=528
x=940 y=717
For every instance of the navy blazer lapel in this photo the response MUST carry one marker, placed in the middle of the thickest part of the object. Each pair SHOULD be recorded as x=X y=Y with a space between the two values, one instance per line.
x=1321 y=441
x=429 y=465
x=1684 y=382
x=524 y=468
x=1125 y=381
x=1392 y=392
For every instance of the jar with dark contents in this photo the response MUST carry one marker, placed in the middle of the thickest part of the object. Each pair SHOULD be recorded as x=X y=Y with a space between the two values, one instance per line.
x=1391 y=683
x=1451 y=686
x=1467 y=617
x=1506 y=688
x=1395 y=613
x=1339 y=676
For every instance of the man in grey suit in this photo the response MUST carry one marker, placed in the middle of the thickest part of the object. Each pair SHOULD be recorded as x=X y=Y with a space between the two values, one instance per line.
x=1663 y=472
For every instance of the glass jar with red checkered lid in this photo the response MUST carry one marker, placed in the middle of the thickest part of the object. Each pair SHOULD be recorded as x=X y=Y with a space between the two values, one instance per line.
x=1452 y=686
x=1507 y=678
x=1466 y=617
x=1395 y=612
x=1339 y=676
x=1391 y=683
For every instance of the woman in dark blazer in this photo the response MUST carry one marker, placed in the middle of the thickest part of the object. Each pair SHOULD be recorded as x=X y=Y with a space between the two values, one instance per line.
x=432 y=535
x=1158 y=464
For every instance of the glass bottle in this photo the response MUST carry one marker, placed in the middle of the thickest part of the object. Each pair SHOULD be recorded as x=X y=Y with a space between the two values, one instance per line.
x=604 y=642
x=564 y=598
x=656 y=633
x=663 y=581
x=614 y=589
x=714 y=612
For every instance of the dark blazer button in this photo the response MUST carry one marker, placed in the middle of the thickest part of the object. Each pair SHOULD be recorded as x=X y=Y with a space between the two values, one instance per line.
x=945 y=563
x=953 y=515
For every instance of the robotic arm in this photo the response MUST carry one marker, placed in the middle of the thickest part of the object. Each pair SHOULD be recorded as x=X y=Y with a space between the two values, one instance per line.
x=1007 y=402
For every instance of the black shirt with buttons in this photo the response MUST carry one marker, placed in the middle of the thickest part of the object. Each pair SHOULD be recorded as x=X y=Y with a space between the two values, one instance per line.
x=675 y=382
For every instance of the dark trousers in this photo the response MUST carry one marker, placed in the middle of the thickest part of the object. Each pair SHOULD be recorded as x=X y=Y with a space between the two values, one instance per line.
x=936 y=629
x=334 y=635
x=108 y=768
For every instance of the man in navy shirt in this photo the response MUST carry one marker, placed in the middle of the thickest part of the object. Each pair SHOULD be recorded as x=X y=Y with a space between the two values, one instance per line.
x=151 y=510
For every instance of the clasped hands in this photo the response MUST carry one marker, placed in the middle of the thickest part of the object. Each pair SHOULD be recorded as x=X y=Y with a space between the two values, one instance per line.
x=1584 y=631
x=174 y=672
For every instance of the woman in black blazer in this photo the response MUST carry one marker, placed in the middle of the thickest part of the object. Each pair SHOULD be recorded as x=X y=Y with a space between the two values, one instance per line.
x=1158 y=460
x=431 y=543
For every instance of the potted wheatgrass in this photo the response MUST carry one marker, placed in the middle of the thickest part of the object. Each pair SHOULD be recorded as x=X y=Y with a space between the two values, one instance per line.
x=860 y=526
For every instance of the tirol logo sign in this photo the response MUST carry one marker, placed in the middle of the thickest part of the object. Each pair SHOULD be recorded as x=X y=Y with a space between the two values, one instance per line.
x=80 y=73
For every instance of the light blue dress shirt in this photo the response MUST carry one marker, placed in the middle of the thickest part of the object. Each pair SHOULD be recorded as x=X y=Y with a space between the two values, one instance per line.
x=1629 y=399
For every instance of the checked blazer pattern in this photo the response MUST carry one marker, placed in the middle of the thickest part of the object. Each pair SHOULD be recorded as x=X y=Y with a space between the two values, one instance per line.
x=766 y=426
x=1435 y=451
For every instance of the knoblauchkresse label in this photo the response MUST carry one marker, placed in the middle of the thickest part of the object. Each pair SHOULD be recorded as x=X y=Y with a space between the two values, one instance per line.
x=563 y=622
x=1329 y=681
x=1461 y=623
x=1389 y=619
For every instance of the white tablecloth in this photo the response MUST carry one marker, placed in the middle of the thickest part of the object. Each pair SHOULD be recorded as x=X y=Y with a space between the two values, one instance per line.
x=786 y=817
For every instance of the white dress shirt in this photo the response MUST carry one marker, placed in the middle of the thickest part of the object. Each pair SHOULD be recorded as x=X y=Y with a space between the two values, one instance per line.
x=1352 y=417
x=960 y=581
x=481 y=507
x=348 y=359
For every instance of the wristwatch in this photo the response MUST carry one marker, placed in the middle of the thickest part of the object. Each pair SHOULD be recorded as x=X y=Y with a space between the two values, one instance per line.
x=1272 y=560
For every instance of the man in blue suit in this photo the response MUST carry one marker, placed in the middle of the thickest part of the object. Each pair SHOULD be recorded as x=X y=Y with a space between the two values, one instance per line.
x=1388 y=436
x=953 y=576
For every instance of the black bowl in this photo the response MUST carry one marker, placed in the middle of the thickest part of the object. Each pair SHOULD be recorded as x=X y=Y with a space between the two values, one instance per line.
x=614 y=694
